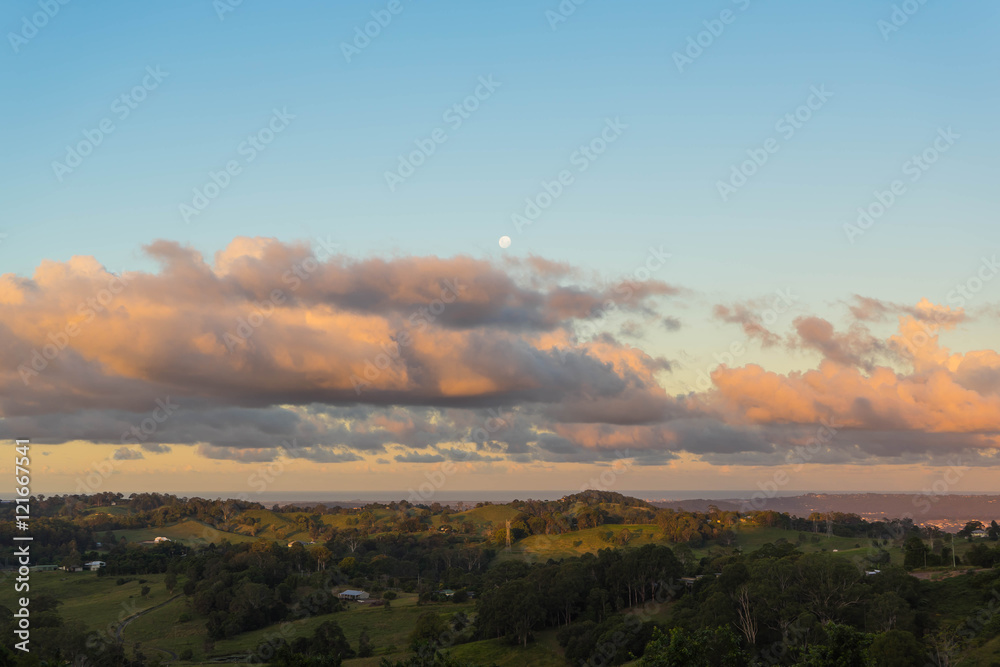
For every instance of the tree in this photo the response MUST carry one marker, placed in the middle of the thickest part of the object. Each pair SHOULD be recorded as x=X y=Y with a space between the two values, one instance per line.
x=321 y=555
x=915 y=552
x=747 y=619
x=707 y=647
x=888 y=611
x=170 y=581
x=896 y=648
x=428 y=630
x=970 y=527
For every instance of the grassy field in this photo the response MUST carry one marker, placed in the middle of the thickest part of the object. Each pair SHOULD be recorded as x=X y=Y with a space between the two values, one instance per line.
x=160 y=631
x=112 y=510
x=187 y=532
x=97 y=602
x=483 y=516
x=544 y=652
x=539 y=548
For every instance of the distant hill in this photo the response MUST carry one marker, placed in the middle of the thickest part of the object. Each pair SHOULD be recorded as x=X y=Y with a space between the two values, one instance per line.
x=944 y=510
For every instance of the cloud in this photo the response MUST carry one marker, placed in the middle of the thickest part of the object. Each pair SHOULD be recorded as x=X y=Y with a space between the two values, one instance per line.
x=856 y=347
x=414 y=457
x=671 y=324
x=126 y=454
x=749 y=319
x=276 y=352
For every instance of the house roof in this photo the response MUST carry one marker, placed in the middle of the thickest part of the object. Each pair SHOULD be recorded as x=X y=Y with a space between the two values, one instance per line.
x=352 y=592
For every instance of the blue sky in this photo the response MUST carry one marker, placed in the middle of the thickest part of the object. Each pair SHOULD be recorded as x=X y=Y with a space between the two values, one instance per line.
x=657 y=185
x=558 y=84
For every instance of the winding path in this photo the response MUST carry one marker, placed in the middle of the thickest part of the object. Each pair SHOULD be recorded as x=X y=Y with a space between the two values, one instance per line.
x=123 y=624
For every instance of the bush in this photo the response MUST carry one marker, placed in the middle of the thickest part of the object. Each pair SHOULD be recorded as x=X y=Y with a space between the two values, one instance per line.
x=389 y=595
x=187 y=654
x=184 y=617
x=120 y=581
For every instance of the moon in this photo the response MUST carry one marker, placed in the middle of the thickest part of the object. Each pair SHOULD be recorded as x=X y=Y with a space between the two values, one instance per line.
x=504 y=241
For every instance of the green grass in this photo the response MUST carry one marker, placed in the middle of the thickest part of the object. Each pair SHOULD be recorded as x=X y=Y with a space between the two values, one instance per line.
x=97 y=602
x=485 y=515
x=539 y=548
x=986 y=655
x=543 y=652
x=189 y=532
x=160 y=628
x=113 y=510
x=386 y=628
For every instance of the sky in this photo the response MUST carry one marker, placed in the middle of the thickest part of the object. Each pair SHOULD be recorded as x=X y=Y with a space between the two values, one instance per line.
x=257 y=248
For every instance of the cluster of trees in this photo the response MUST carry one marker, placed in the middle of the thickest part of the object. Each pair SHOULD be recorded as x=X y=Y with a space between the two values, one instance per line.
x=773 y=606
x=992 y=531
x=56 y=541
x=981 y=555
x=518 y=599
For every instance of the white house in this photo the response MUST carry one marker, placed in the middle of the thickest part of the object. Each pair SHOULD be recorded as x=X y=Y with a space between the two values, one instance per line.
x=161 y=539
x=354 y=595
x=979 y=533
x=94 y=565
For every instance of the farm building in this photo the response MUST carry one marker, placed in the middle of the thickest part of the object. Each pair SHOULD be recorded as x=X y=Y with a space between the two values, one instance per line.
x=161 y=539
x=42 y=568
x=94 y=565
x=354 y=595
